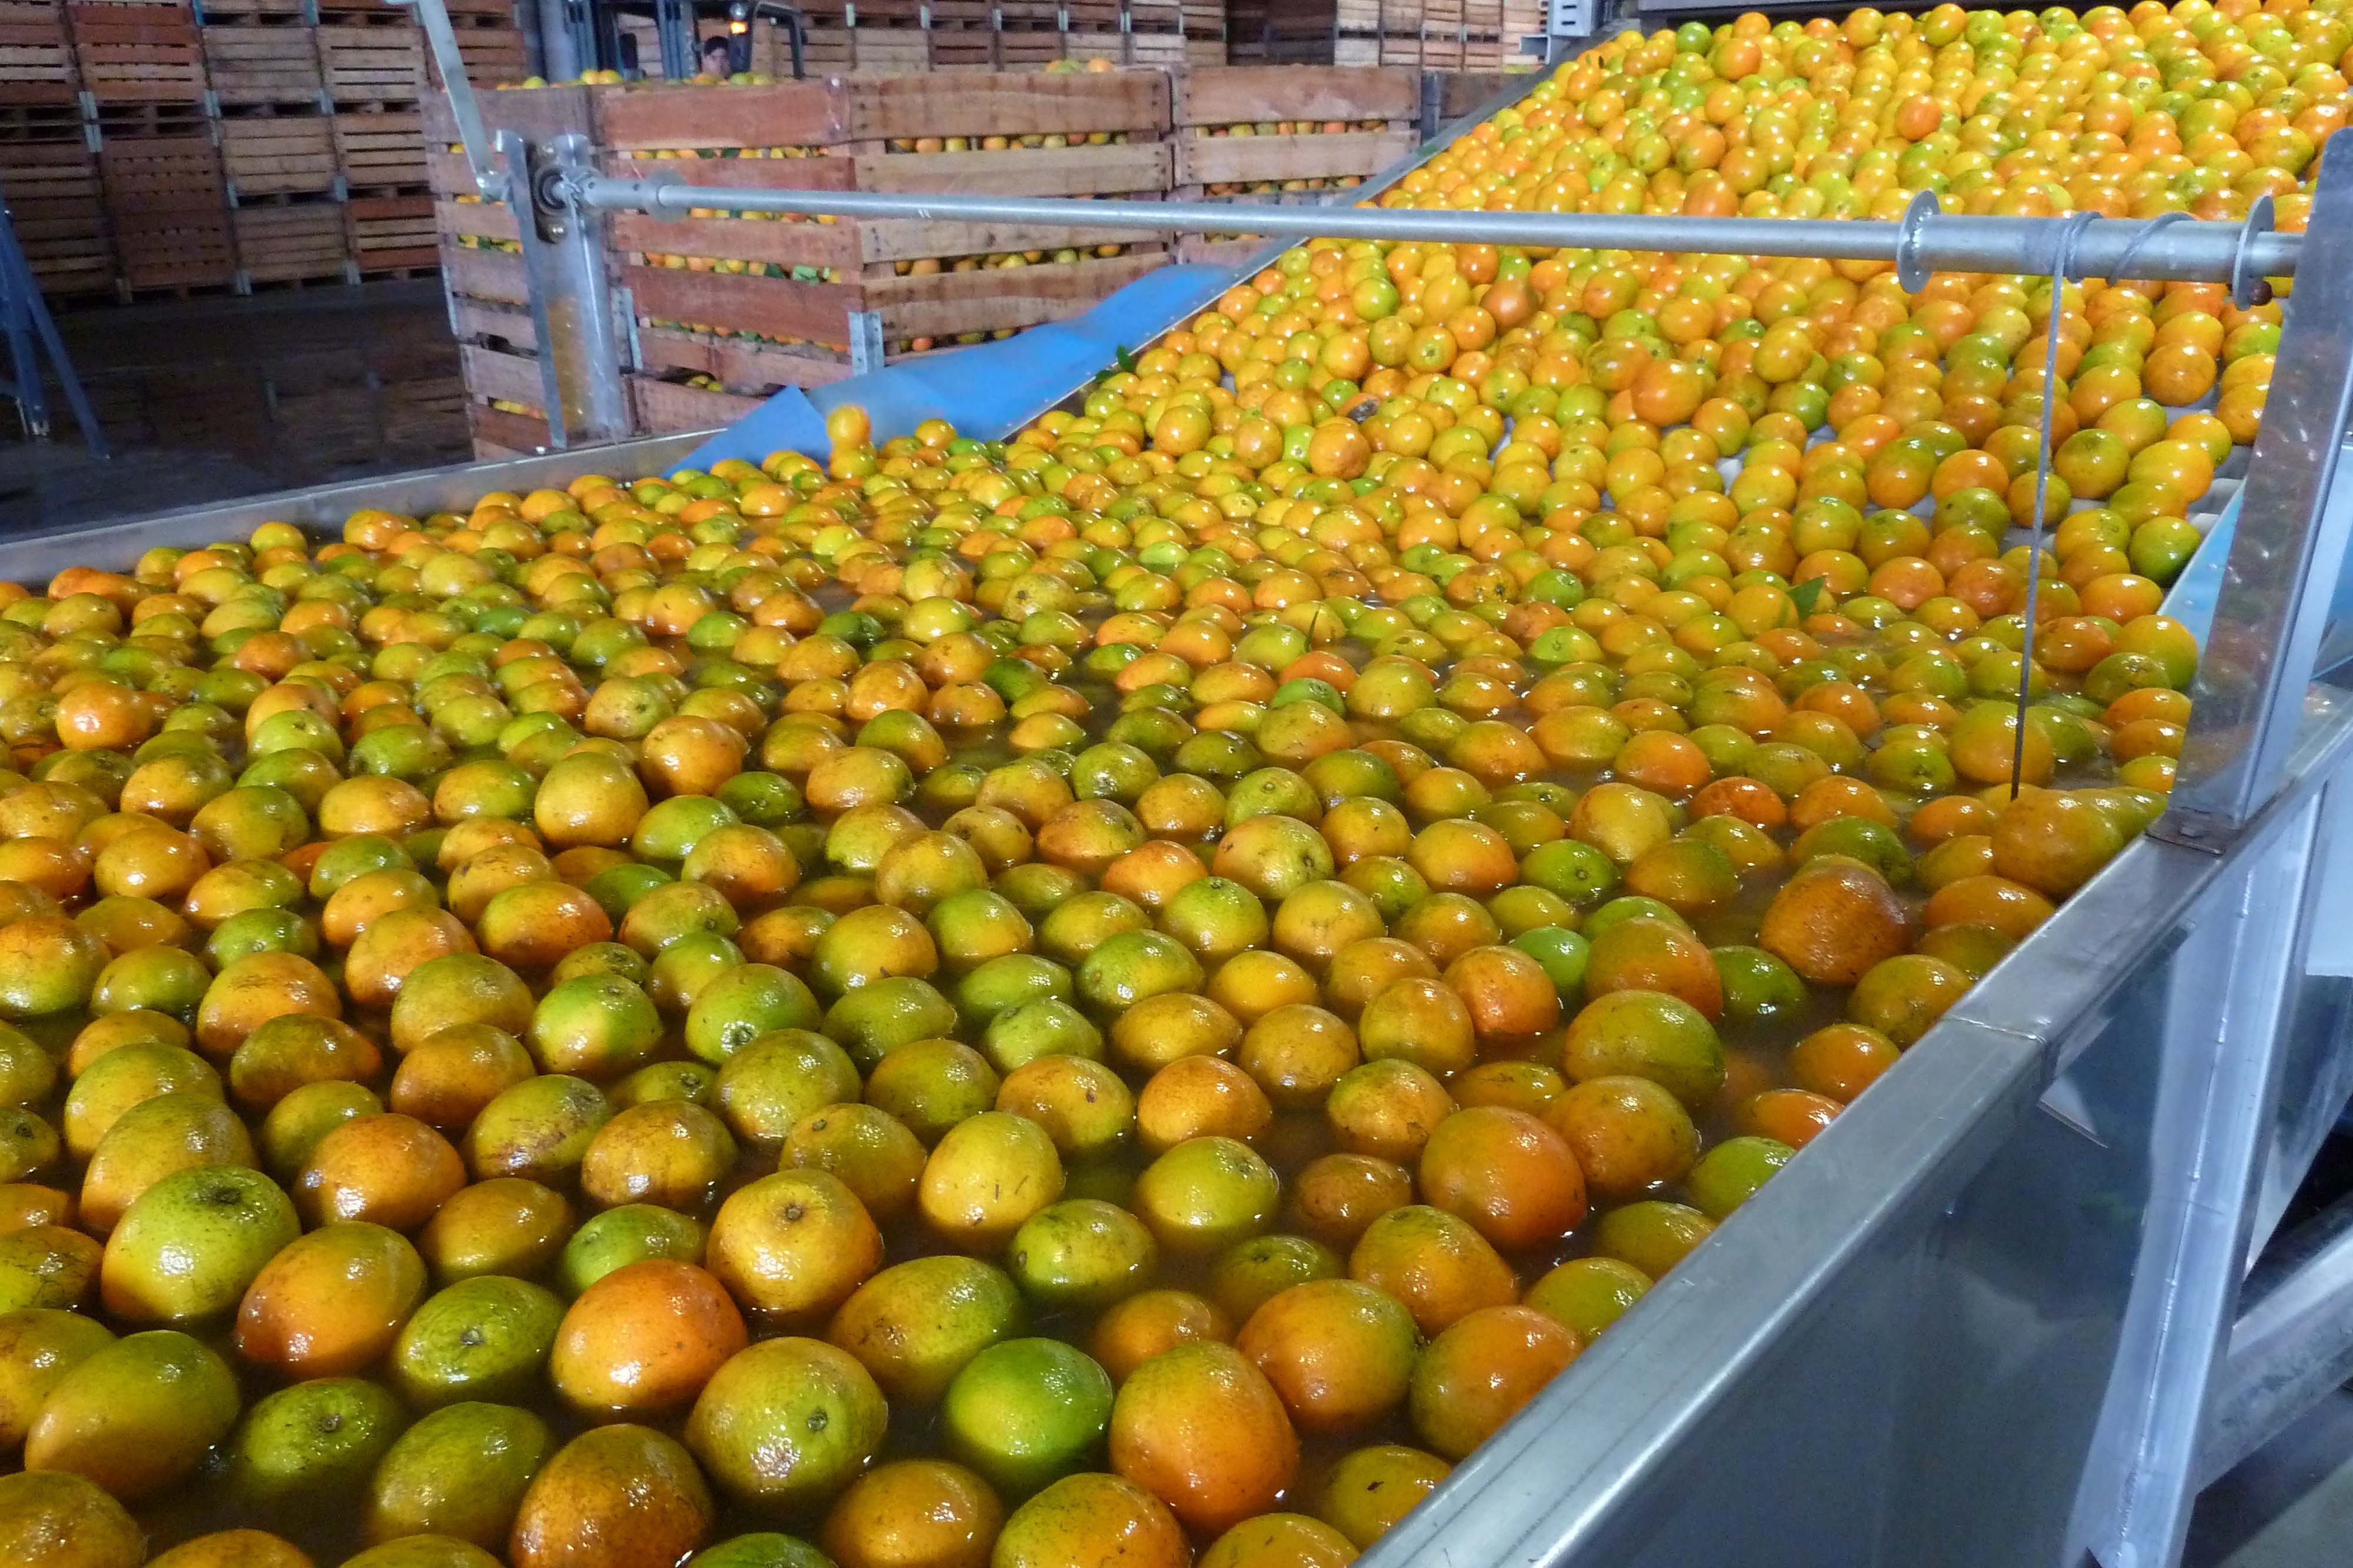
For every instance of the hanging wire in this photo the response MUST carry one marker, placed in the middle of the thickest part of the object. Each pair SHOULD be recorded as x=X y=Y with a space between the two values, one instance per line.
x=2063 y=256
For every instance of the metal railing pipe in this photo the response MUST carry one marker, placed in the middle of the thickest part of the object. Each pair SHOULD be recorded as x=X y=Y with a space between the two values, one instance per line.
x=2159 y=250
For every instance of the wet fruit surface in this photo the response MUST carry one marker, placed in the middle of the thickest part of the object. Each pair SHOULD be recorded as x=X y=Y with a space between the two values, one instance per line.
x=1134 y=992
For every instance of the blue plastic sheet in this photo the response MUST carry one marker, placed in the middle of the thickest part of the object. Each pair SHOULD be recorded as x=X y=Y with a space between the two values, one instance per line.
x=989 y=390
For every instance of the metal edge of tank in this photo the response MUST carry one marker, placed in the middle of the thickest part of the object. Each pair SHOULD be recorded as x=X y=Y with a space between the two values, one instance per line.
x=39 y=554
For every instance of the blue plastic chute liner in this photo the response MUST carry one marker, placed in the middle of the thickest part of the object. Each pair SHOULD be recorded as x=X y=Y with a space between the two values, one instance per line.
x=989 y=390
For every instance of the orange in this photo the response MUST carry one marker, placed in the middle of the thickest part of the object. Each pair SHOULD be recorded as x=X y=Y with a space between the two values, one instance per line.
x=1477 y=1374
x=1507 y=1173
x=1200 y=1428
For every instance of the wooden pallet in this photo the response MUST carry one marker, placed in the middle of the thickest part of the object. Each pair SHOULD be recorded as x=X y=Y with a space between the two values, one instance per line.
x=279 y=155
x=48 y=172
x=293 y=244
x=270 y=64
x=137 y=53
x=145 y=119
x=370 y=64
x=381 y=154
x=37 y=58
x=393 y=233
x=41 y=123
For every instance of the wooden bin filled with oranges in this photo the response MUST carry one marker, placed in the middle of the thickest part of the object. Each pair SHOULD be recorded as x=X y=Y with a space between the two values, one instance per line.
x=1126 y=995
x=1286 y=134
x=756 y=303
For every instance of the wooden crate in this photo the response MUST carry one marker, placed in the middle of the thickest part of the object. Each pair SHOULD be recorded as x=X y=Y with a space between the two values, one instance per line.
x=884 y=50
x=490 y=46
x=132 y=53
x=179 y=173
x=215 y=12
x=58 y=205
x=37 y=57
x=662 y=407
x=292 y=244
x=270 y=60
x=799 y=282
x=379 y=61
x=277 y=154
x=393 y=233
x=167 y=199
x=916 y=312
x=143 y=120
x=1334 y=110
x=380 y=153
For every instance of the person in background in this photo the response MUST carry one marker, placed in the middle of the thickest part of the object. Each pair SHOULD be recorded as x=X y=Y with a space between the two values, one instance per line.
x=718 y=57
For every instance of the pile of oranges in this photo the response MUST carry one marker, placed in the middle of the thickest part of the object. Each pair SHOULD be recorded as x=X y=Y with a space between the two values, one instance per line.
x=1127 y=995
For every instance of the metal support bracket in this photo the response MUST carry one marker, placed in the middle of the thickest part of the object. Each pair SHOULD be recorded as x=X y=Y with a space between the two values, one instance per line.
x=571 y=304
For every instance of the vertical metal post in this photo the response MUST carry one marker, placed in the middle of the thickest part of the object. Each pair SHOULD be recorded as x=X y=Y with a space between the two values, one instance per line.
x=571 y=304
x=2217 y=1089
x=865 y=341
x=2248 y=697
x=674 y=23
x=567 y=38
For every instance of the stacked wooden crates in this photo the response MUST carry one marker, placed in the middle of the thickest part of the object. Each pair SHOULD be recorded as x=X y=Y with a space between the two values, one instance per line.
x=48 y=174
x=751 y=304
x=277 y=142
x=144 y=89
x=371 y=63
x=1432 y=35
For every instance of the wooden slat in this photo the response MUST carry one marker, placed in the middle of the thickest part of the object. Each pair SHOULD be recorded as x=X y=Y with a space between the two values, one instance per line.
x=948 y=303
x=737 y=362
x=280 y=154
x=375 y=150
x=511 y=378
x=741 y=239
x=819 y=312
x=665 y=407
x=824 y=173
x=1010 y=104
x=1220 y=160
x=499 y=434
x=477 y=321
x=1239 y=95
x=491 y=220
x=485 y=275
x=784 y=115
x=1023 y=171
